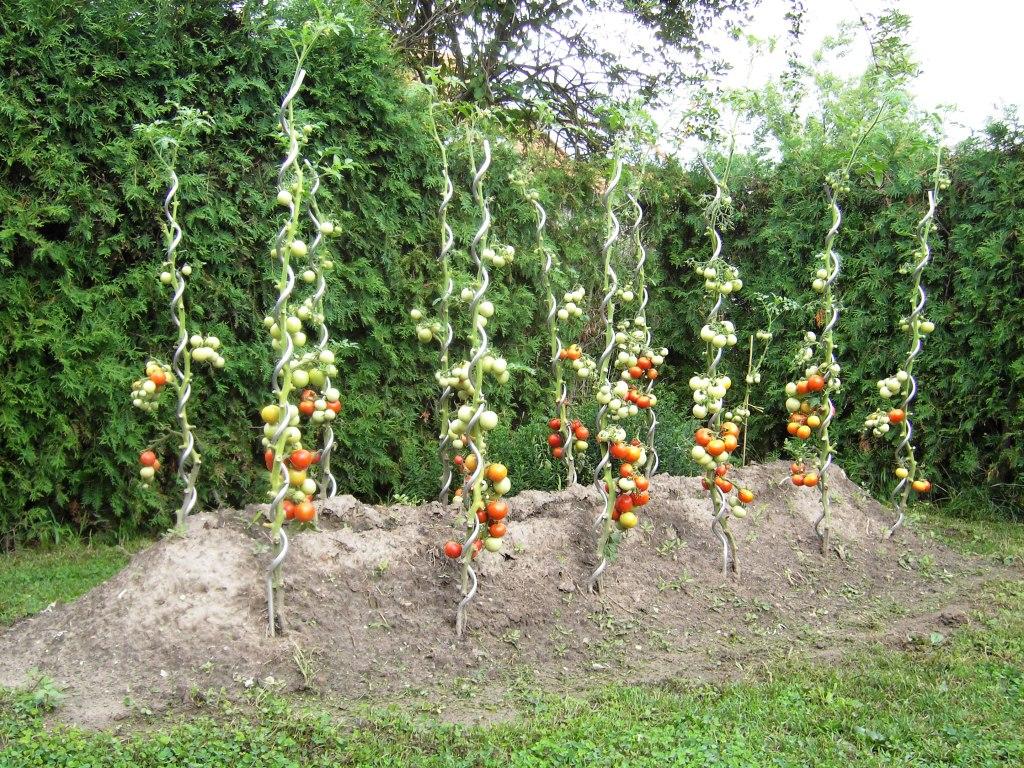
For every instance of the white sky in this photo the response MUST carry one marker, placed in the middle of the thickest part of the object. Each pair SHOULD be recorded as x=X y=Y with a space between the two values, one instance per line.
x=970 y=51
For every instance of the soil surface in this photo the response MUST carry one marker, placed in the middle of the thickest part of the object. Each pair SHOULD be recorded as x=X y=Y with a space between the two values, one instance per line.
x=370 y=602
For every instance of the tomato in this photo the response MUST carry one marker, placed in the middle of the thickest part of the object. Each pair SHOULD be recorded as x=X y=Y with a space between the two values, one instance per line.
x=636 y=372
x=306 y=408
x=497 y=530
x=628 y=520
x=453 y=549
x=470 y=463
x=813 y=421
x=555 y=424
x=896 y=415
x=730 y=442
x=643 y=402
x=335 y=406
x=289 y=509
x=921 y=485
x=730 y=428
x=623 y=504
x=576 y=424
x=156 y=465
x=296 y=477
x=810 y=479
x=652 y=374
x=619 y=450
x=625 y=470
x=268 y=458
x=792 y=428
x=723 y=484
x=496 y=472
x=815 y=383
x=308 y=394
x=305 y=512
x=746 y=495
x=457 y=460
x=481 y=515
x=301 y=459
x=803 y=431
x=795 y=468
x=158 y=377
x=641 y=498
x=642 y=483
x=478 y=546
x=497 y=509
x=554 y=440
x=147 y=458
x=704 y=436
x=802 y=387
x=631 y=396
x=581 y=432
x=798 y=479
x=716 y=447
x=644 y=363
x=269 y=414
x=633 y=452
x=721 y=470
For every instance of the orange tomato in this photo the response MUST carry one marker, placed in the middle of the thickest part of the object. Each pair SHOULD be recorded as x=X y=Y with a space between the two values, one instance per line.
x=306 y=408
x=497 y=509
x=636 y=372
x=644 y=363
x=633 y=452
x=802 y=387
x=716 y=447
x=581 y=433
x=810 y=479
x=723 y=484
x=305 y=512
x=558 y=452
x=730 y=442
x=704 y=436
x=158 y=377
x=641 y=498
x=652 y=374
x=730 y=428
x=746 y=495
x=803 y=431
x=496 y=472
x=798 y=479
x=721 y=470
x=816 y=383
x=792 y=427
x=147 y=458
x=642 y=483
x=625 y=470
x=896 y=415
x=643 y=402
x=498 y=530
x=301 y=459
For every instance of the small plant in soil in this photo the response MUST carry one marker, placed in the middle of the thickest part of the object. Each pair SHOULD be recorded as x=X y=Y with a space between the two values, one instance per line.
x=718 y=439
x=902 y=384
x=484 y=509
x=299 y=369
x=167 y=137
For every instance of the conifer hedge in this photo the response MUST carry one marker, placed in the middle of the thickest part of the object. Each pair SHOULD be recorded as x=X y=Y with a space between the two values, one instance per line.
x=81 y=308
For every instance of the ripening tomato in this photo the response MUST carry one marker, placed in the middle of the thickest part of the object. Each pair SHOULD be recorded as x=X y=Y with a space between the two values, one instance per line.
x=704 y=484
x=730 y=428
x=642 y=483
x=306 y=408
x=813 y=421
x=816 y=383
x=810 y=479
x=147 y=458
x=746 y=495
x=308 y=394
x=643 y=402
x=555 y=424
x=803 y=431
x=305 y=512
x=730 y=442
x=625 y=470
x=797 y=479
x=716 y=447
x=453 y=549
x=633 y=453
x=457 y=459
x=268 y=458
x=921 y=485
x=623 y=504
x=795 y=468
x=721 y=470
x=158 y=377
x=497 y=530
x=335 y=406
x=723 y=484
x=792 y=428
x=802 y=387
x=652 y=374
x=497 y=509
x=643 y=363
x=470 y=463
x=496 y=472
x=641 y=498
x=896 y=415
x=636 y=372
x=619 y=450
x=478 y=547
x=289 y=509
x=703 y=437
x=581 y=432
x=301 y=458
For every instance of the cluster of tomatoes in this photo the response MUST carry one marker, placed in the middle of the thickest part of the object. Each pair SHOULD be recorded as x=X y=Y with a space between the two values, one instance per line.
x=298 y=504
x=806 y=410
x=632 y=487
x=712 y=453
x=320 y=408
x=146 y=392
x=492 y=512
x=803 y=475
x=556 y=440
x=583 y=365
x=150 y=466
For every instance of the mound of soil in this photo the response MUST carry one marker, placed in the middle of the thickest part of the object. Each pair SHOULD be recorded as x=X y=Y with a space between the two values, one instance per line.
x=370 y=601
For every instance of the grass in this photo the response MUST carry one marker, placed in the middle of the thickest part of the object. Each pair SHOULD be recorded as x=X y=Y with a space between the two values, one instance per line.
x=32 y=579
x=946 y=700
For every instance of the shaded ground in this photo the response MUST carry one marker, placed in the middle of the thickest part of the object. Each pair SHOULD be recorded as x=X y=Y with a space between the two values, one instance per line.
x=370 y=602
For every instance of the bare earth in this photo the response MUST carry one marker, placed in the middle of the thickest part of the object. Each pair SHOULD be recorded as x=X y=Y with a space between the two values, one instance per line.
x=370 y=601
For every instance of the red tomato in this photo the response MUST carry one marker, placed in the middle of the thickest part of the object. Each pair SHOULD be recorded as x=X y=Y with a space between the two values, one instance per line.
x=305 y=512
x=555 y=424
x=723 y=484
x=268 y=458
x=703 y=437
x=798 y=479
x=643 y=363
x=623 y=504
x=497 y=530
x=554 y=439
x=306 y=408
x=641 y=498
x=643 y=402
x=158 y=377
x=301 y=458
x=497 y=509
x=619 y=450
x=636 y=372
x=582 y=433
x=896 y=415
x=558 y=452
x=457 y=459
x=716 y=447
x=634 y=452
x=335 y=406
x=810 y=479
x=147 y=458
x=453 y=549
x=289 y=509
x=815 y=383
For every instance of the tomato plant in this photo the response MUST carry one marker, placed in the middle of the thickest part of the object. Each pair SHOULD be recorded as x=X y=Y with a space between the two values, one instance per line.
x=903 y=383
x=166 y=138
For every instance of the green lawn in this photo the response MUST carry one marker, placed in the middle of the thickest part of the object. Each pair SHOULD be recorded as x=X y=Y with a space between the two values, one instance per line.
x=955 y=700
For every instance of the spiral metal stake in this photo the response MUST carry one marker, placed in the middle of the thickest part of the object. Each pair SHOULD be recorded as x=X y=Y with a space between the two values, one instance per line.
x=720 y=506
x=444 y=302
x=328 y=484
x=475 y=373
x=181 y=363
x=561 y=389
x=611 y=285
x=905 y=453
x=281 y=379
x=823 y=523
x=652 y=451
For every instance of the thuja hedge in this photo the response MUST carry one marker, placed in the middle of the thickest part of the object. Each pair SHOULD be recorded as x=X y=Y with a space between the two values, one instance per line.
x=80 y=307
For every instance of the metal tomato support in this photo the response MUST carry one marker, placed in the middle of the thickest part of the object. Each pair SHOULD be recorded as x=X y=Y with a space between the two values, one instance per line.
x=444 y=302
x=611 y=284
x=652 y=451
x=475 y=374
